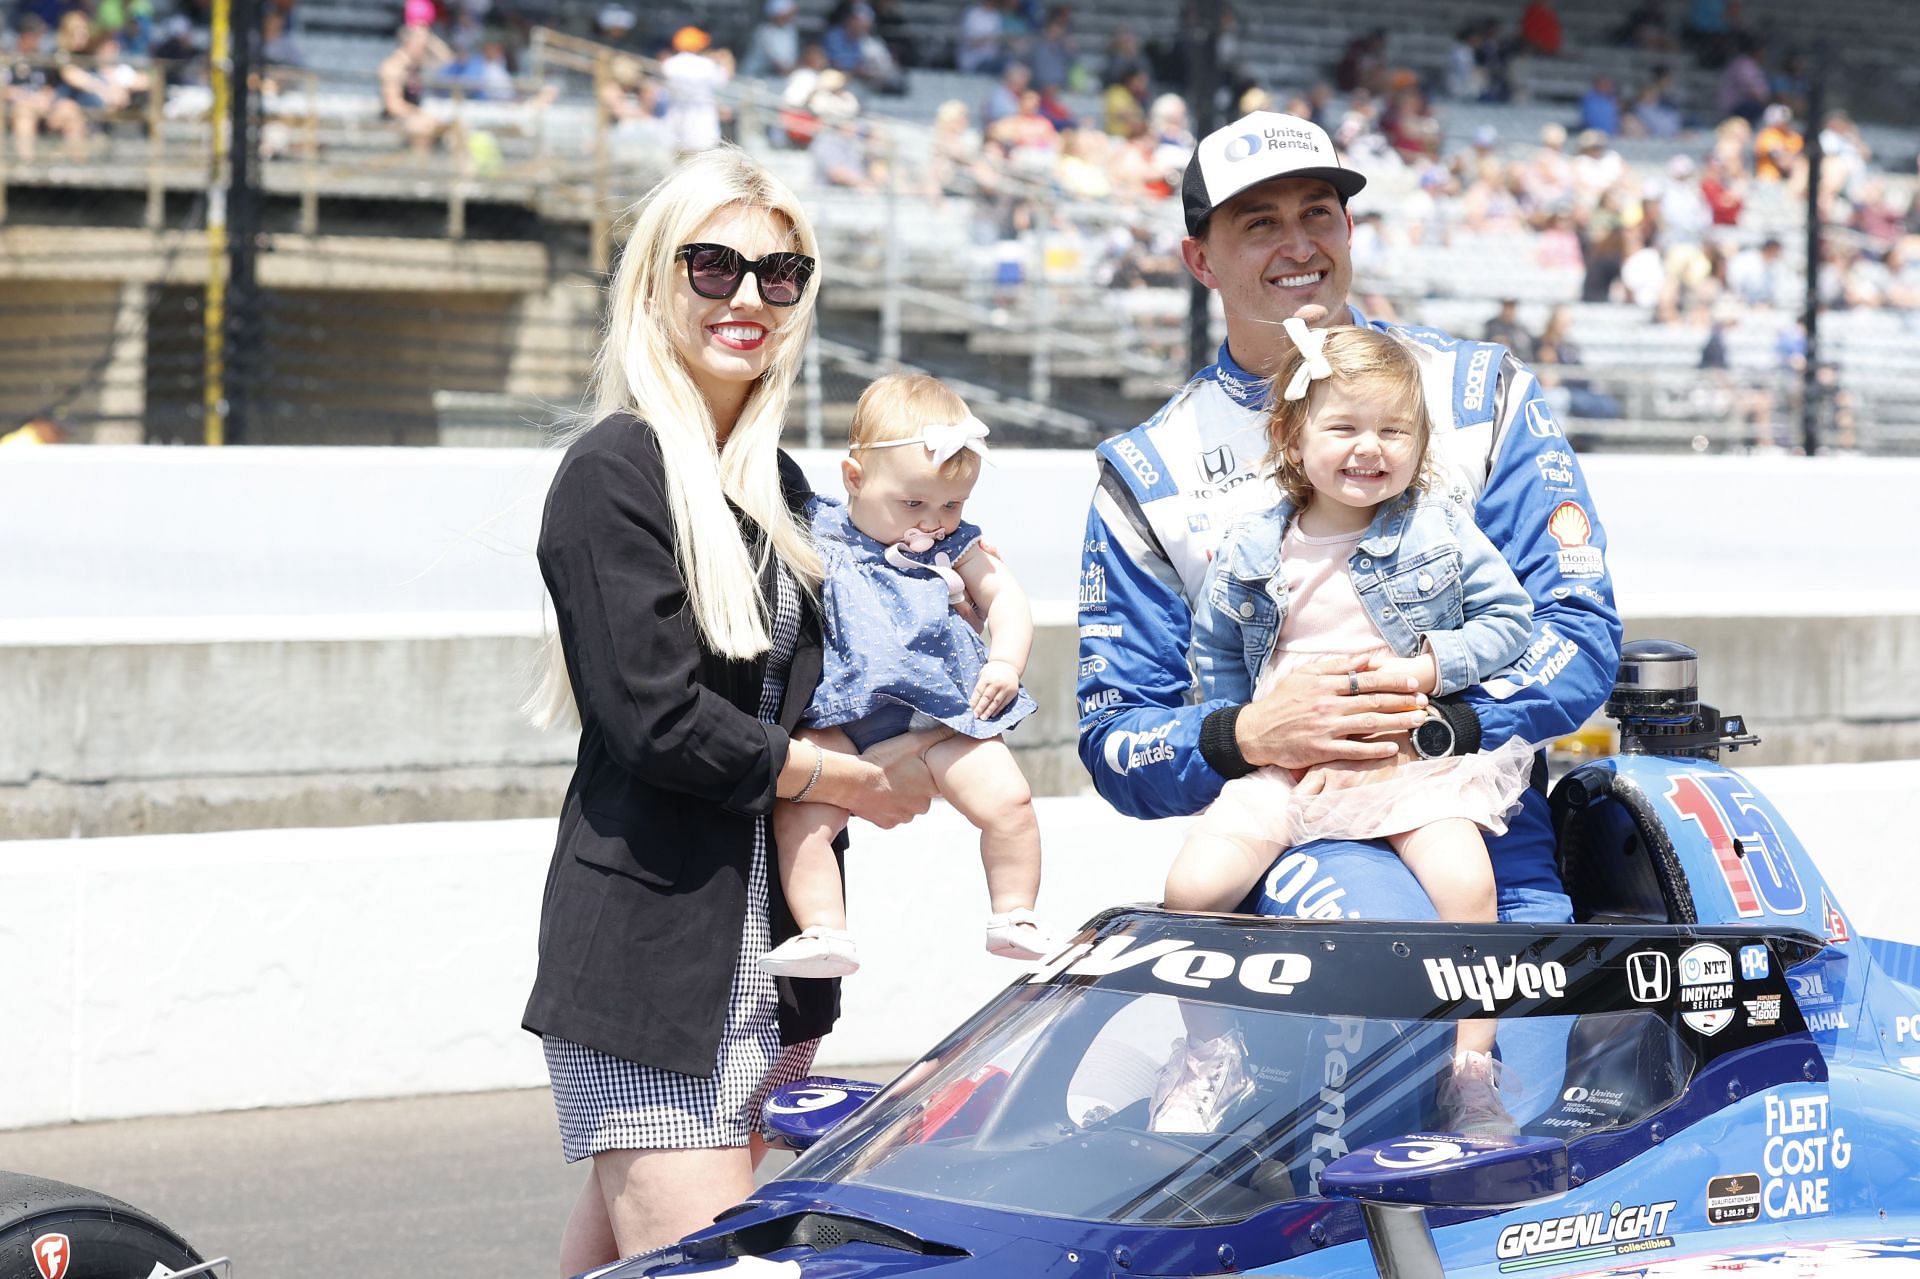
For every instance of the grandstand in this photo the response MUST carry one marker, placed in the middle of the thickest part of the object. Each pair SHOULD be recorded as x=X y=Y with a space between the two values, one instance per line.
x=452 y=295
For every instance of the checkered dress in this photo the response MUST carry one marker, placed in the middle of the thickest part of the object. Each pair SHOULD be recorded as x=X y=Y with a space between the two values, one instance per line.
x=609 y=1103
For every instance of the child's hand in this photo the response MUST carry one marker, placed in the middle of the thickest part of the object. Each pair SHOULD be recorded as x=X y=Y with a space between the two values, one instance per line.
x=1422 y=668
x=996 y=687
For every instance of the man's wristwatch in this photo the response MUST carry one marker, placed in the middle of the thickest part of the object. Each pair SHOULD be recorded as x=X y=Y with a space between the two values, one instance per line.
x=1434 y=738
x=1450 y=728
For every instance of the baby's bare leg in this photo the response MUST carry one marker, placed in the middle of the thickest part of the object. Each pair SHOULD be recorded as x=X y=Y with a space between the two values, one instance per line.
x=1449 y=858
x=803 y=835
x=983 y=781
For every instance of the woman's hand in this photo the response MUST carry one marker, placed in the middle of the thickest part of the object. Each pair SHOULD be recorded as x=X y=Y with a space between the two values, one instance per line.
x=902 y=787
x=996 y=687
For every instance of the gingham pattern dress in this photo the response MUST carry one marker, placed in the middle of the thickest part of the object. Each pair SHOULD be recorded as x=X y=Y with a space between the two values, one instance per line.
x=609 y=1103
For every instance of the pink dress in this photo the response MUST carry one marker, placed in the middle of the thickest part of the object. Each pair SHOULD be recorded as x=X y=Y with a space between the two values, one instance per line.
x=1325 y=616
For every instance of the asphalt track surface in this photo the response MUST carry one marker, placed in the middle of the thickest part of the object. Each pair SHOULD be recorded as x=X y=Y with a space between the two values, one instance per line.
x=453 y=1187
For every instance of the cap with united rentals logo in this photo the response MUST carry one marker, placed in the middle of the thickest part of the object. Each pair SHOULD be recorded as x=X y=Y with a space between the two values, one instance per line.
x=1259 y=147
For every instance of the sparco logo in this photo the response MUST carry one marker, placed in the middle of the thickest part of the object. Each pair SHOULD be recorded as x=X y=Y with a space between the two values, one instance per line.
x=1491 y=980
x=1217 y=464
x=1473 y=396
x=1136 y=461
x=1128 y=751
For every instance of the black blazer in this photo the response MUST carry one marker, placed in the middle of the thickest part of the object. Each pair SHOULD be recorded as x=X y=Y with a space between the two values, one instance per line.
x=646 y=897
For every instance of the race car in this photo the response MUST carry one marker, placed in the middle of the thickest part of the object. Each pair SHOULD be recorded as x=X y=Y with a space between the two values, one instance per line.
x=1709 y=1071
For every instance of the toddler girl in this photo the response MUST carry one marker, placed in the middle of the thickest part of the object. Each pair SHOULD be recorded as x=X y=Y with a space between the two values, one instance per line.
x=1363 y=554
x=906 y=582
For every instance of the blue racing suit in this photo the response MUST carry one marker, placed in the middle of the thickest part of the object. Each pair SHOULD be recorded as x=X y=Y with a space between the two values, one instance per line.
x=1168 y=490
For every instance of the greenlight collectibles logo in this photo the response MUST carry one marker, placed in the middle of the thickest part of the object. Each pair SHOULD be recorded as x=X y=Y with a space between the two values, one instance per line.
x=1621 y=1229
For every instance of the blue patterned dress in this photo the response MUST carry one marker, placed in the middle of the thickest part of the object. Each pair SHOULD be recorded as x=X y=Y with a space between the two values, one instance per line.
x=896 y=654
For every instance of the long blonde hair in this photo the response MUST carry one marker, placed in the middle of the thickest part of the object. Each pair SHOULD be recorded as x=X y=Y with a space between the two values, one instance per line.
x=637 y=370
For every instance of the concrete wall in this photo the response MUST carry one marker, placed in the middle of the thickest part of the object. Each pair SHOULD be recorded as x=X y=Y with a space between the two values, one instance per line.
x=199 y=640
x=183 y=973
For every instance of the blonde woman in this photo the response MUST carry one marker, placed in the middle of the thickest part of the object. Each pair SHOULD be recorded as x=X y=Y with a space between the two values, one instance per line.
x=687 y=644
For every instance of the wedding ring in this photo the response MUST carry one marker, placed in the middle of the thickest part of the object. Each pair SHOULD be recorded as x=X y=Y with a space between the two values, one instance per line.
x=1353 y=683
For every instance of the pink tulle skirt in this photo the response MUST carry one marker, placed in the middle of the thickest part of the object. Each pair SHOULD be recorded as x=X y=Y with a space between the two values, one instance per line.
x=1483 y=788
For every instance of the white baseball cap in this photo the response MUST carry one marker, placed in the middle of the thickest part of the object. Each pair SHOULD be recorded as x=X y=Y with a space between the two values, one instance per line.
x=1256 y=148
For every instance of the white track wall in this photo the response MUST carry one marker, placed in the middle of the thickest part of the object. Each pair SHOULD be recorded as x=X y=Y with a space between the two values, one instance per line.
x=184 y=973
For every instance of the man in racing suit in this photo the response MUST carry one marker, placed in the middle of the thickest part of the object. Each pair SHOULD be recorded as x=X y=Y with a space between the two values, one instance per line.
x=1265 y=201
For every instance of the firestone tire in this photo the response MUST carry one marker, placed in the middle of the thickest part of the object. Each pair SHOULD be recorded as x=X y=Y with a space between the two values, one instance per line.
x=50 y=1230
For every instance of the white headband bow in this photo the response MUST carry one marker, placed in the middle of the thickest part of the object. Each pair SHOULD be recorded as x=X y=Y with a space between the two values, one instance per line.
x=945 y=439
x=1313 y=364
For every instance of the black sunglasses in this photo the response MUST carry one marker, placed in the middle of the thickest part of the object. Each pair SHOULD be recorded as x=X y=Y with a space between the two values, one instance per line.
x=715 y=271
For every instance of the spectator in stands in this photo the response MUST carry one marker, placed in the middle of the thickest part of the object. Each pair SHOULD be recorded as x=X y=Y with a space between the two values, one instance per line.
x=278 y=46
x=613 y=25
x=41 y=428
x=1744 y=89
x=1903 y=273
x=1505 y=328
x=1466 y=79
x=1410 y=125
x=1172 y=140
x=1645 y=27
x=692 y=77
x=1777 y=146
x=855 y=48
x=1759 y=277
x=1600 y=106
x=1792 y=81
x=416 y=54
x=1082 y=172
x=1124 y=103
x=840 y=152
x=955 y=164
x=1540 y=29
x=1711 y=31
x=1363 y=63
x=1683 y=210
x=774 y=48
x=1003 y=99
x=1724 y=188
x=1051 y=55
x=982 y=46
x=33 y=98
x=1555 y=351
x=1603 y=244
x=1122 y=56
x=1653 y=114
x=1548 y=175
x=896 y=30
x=1595 y=168
x=1054 y=107
x=632 y=103
x=1031 y=140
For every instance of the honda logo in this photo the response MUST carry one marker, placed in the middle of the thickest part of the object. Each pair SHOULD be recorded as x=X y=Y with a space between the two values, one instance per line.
x=1217 y=464
x=1649 y=976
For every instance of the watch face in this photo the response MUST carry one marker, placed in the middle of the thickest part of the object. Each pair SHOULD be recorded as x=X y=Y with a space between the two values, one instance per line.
x=1433 y=739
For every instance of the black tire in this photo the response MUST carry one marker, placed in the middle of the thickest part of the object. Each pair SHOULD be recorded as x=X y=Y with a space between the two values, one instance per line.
x=105 y=1238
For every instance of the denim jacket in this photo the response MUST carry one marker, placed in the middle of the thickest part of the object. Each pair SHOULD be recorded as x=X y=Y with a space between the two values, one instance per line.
x=1423 y=570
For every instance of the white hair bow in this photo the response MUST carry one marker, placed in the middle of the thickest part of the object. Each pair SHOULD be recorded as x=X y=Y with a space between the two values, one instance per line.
x=1313 y=363
x=945 y=439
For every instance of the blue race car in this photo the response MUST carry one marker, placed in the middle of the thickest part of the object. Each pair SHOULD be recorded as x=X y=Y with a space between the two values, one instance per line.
x=1710 y=1072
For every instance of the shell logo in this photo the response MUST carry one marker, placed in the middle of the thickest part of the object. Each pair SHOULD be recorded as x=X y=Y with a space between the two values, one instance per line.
x=1569 y=525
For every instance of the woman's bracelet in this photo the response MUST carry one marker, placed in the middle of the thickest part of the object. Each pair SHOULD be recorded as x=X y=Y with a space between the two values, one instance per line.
x=819 y=762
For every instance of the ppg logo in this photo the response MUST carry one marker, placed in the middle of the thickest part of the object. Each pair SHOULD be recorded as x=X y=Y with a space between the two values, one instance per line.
x=1243 y=147
x=1649 y=976
x=1753 y=962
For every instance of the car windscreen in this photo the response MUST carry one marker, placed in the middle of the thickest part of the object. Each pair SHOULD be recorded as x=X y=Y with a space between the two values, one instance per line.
x=1180 y=1072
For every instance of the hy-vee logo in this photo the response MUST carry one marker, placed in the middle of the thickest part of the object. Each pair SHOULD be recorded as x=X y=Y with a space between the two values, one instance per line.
x=1491 y=980
x=1177 y=962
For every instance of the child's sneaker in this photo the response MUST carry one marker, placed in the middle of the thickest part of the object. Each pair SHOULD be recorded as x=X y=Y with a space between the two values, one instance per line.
x=1471 y=1097
x=1199 y=1082
x=1017 y=935
x=816 y=952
